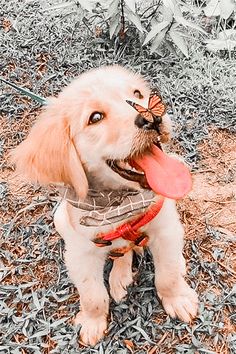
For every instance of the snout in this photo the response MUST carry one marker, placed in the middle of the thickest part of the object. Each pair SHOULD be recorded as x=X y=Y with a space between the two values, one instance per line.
x=153 y=131
x=145 y=124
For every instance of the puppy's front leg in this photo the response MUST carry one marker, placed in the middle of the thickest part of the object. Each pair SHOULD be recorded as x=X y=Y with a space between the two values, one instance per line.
x=85 y=265
x=86 y=271
x=121 y=276
x=166 y=243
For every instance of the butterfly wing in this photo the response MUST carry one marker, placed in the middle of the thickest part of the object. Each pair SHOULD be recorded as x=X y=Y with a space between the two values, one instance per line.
x=154 y=98
x=141 y=110
x=137 y=106
x=155 y=103
x=159 y=109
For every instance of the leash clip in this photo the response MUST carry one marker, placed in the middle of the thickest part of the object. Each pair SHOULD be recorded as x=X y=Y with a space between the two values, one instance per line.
x=142 y=240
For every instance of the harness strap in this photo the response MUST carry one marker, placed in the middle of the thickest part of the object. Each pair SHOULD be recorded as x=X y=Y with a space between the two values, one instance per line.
x=129 y=231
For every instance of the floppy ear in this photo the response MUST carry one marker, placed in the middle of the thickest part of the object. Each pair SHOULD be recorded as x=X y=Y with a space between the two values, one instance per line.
x=48 y=155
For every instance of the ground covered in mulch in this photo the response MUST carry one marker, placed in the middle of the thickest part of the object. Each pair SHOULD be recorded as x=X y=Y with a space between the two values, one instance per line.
x=42 y=51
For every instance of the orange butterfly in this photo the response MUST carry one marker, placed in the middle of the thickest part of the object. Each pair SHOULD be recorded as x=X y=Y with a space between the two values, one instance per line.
x=156 y=107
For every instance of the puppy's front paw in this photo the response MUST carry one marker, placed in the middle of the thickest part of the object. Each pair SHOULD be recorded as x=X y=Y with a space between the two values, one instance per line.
x=92 y=329
x=183 y=305
x=119 y=283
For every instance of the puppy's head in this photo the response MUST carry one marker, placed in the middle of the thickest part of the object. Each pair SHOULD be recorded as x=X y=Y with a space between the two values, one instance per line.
x=90 y=133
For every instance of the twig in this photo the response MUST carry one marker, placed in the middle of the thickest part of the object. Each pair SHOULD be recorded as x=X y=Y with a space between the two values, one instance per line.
x=216 y=201
x=154 y=11
x=122 y=19
x=84 y=22
x=202 y=171
x=227 y=268
x=162 y=338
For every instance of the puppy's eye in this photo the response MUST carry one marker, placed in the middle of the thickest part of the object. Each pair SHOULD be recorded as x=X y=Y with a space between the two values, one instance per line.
x=138 y=94
x=95 y=117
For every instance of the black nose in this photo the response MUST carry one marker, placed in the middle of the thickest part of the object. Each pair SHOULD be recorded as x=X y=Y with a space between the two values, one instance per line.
x=143 y=123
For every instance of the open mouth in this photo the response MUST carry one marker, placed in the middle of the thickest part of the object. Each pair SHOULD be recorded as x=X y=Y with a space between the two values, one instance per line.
x=154 y=169
x=125 y=170
x=129 y=170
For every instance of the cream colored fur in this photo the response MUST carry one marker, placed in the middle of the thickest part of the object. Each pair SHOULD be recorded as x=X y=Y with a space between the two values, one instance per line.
x=63 y=148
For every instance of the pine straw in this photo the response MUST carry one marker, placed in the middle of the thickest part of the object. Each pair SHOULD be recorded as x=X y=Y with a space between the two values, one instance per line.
x=212 y=201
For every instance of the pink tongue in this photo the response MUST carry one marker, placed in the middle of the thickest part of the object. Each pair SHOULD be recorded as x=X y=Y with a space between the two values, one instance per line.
x=165 y=175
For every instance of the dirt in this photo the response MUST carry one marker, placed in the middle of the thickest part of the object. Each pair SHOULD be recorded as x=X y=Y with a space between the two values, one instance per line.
x=212 y=201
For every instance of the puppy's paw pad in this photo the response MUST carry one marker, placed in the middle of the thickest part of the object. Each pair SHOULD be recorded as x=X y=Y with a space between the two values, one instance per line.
x=184 y=306
x=92 y=329
x=118 y=285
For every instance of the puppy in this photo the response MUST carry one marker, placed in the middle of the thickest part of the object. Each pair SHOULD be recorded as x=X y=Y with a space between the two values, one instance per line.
x=84 y=140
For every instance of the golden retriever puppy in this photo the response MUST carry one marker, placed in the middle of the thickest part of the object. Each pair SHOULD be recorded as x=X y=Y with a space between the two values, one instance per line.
x=85 y=141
